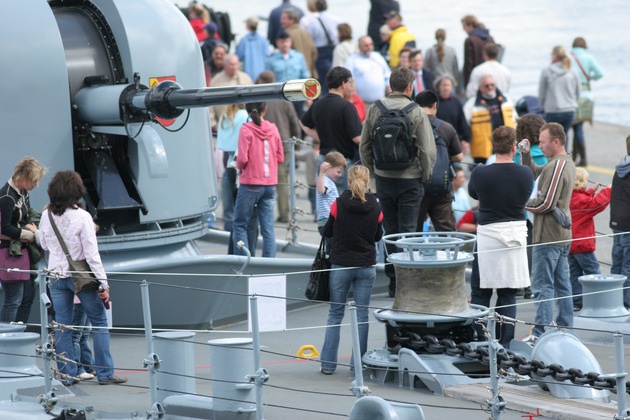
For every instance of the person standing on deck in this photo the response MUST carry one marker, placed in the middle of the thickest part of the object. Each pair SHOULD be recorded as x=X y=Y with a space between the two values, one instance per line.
x=400 y=191
x=587 y=69
x=620 y=221
x=550 y=272
x=335 y=122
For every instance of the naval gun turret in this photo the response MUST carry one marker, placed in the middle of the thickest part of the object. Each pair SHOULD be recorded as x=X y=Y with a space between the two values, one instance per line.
x=167 y=99
x=98 y=88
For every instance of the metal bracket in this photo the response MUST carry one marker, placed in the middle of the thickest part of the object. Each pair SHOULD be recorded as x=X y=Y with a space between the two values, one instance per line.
x=157 y=412
x=152 y=363
x=260 y=377
x=48 y=401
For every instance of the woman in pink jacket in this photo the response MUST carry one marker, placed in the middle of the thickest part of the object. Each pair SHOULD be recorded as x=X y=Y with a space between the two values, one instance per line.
x=259 y=153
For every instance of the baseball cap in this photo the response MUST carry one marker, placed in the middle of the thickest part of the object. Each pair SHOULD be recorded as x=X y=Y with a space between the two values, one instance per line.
x=393 y=14
x=211 y=27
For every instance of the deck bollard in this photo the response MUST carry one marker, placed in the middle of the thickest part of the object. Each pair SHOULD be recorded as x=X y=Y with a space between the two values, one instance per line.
x=231 y=364
x=18 y=366
x=608 y=303
x=177 y=354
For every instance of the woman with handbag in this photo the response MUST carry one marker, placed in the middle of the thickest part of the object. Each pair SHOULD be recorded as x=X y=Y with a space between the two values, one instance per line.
x=68 y=233
x=355 y=224
x=16 y=233
x=587 y=69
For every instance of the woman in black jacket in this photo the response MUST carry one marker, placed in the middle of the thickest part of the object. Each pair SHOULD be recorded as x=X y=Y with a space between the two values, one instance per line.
x=16 y=233
x=355 y=224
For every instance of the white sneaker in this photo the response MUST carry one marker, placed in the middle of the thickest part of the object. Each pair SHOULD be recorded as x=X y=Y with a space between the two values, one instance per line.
x=84 y=376
x=530 y=339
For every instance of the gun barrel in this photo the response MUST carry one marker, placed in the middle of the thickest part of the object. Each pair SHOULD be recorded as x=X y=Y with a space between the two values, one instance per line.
x=194 y=98
x=118 y=103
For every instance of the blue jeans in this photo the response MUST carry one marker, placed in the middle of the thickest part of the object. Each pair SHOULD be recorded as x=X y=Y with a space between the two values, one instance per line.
x=621 y=261
x=578 y=134
x=12 y=300
x=263 y=197
x=62 y=293
x=323 y=64
x=362 y=280
x=400 y=200
x=312 y=197
x=228 y=192
x=550 y=279
x=81 y=340
x=565 y=119
x=581 y=264
x=28 y=294
x=252 y=235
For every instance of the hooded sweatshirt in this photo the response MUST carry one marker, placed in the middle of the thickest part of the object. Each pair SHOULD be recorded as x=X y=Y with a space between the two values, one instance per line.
x=259 y=153
x=559 y=89
x=620 y=191
x=354 y=227
x=586 y=204
x=473 y=51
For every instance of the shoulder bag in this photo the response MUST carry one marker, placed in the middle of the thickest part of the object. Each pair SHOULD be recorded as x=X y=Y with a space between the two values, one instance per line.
x=318 y=287
x=586 y=105
x=83 y=279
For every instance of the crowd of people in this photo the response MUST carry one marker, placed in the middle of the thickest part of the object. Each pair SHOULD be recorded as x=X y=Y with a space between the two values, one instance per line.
x=528 y=189
x=527 y=194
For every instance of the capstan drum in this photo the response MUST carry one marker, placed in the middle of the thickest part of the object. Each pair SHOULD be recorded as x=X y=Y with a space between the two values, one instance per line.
x=431 y=293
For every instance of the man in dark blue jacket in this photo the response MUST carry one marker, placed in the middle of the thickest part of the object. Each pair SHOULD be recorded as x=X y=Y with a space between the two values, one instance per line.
x=620 y=221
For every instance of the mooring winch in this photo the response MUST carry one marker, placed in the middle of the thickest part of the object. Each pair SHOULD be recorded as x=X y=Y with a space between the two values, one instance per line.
x=431 y=304
x=431 y=295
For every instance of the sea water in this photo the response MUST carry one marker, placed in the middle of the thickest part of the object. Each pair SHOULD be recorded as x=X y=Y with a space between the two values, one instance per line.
x=527 y=29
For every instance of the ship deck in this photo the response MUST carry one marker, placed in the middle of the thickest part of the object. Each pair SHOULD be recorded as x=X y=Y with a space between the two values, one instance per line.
x=296 y=389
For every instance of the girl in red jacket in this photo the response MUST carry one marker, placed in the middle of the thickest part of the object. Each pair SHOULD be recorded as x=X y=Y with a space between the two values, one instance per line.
x=585 y=204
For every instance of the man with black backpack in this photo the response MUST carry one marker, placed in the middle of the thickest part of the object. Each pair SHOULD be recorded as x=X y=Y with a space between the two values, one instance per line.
x=397 y=146
x=438 y=195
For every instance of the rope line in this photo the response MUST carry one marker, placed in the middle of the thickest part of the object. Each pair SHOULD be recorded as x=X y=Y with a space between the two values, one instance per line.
x=58 y=274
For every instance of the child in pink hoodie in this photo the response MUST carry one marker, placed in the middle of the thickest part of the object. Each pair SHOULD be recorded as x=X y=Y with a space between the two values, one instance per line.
x=259 y=153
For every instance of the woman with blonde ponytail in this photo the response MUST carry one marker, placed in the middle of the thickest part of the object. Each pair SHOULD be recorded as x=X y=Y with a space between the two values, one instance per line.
x=355 y=225
x=441 y=59
x=559 y=90
x=198 y=16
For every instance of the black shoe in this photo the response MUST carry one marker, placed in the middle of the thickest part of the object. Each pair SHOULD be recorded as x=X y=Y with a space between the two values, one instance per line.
x=68 y=382
x=326 y=372
x=392 y=293
x=112 y=380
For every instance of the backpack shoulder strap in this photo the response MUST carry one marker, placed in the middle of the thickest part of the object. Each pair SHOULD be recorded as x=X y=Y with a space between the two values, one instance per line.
x=409 y=107
x=381 y=106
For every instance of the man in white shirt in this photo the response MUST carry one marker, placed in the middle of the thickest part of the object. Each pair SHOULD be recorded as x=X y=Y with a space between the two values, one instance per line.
x=501 y=75
x=370 y=70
